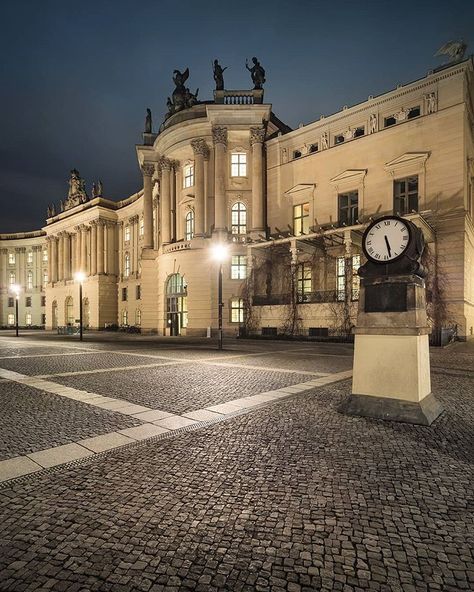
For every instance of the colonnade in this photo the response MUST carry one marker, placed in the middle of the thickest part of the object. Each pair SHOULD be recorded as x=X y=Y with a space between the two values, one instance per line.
x=169 y=188
x=90 y=249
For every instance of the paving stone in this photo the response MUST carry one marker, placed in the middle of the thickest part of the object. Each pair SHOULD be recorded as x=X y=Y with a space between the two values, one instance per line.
x=16 y=467
x=174 y=422
x=147 y=430
x=105 y=442
x=152 y=415
x=59 y=455
x=202 y=415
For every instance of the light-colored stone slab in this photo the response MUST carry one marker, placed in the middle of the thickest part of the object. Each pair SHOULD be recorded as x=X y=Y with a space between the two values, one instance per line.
x=59 y=455
x=133 y=409
x=116 y=404
x=16 y=467
x=147 y=430
x=224 y=408
x=202 y=415
x=152 y=415
x=106 y=442
x=174 y=422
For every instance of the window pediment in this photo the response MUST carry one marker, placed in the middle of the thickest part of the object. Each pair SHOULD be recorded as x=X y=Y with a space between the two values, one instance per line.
x=412 y=161
x=300 y=190
x=349 y=178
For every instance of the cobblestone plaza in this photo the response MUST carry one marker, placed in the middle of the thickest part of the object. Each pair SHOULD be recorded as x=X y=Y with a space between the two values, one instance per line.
x=145 y=464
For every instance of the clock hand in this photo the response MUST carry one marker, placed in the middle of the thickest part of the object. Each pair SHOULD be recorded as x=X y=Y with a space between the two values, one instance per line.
x=388 y=246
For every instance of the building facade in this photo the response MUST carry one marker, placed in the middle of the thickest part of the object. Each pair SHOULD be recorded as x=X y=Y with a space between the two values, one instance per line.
x=291 y=205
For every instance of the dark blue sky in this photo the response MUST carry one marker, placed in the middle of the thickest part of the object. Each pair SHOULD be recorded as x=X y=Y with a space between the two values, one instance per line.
x=76 y=77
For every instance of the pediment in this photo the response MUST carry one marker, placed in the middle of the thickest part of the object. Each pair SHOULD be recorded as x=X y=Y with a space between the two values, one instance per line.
x=297 y=189
x=408 y=159
x=349 y=176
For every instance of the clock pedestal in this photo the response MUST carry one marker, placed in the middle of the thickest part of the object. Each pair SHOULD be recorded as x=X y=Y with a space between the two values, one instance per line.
x=391 y=376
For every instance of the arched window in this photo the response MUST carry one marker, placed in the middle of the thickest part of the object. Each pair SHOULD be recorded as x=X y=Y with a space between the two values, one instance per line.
x=69 y=311
x=176 y=284
x=138 y=317
x=189 y=232
x=29 y=280
x=239 y=218
x=126 y=267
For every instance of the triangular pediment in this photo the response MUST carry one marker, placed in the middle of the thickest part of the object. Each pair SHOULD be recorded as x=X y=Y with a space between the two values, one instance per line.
x=356 y=175
x=300 y=187
x=407 y=159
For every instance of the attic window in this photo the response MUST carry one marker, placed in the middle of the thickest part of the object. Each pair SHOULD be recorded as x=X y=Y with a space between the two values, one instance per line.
x=339 y=139
x=359 y=131
x=297 y=154
x=313 y=148
x=388 y=121
x=414 y=112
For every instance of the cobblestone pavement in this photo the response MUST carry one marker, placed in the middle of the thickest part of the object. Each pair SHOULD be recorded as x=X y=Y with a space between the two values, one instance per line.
x=292 y=496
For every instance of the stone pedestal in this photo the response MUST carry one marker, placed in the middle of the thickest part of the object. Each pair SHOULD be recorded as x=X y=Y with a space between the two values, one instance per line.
x=391 y=376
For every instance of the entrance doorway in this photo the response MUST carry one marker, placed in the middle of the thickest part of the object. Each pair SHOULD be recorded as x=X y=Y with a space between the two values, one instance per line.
x=176 y=304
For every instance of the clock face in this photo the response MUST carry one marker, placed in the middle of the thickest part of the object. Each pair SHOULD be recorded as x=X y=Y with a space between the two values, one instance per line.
x=386 y=240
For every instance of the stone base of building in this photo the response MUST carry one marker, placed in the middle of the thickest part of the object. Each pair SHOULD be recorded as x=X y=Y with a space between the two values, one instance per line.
x=422 y=413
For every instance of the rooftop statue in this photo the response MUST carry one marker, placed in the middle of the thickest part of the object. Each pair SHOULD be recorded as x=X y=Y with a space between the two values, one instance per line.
x=77 y=191
x=148 y=122
x=257 y=73
x=455 y=50
x=97 y=189
x=218 y=75
x=182 y=97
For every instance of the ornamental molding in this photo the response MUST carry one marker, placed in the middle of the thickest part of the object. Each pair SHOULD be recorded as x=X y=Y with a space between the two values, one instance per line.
x=148 y=168
x=219 y=135
x=134 y=219
x=300 y=189
x=349 y=177
x=257 y=135
x=199 y=146
x=413 y=161
x=165 y=164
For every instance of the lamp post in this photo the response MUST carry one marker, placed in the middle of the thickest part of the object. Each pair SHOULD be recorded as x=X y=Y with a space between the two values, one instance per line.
x=220 y=252
x=80 y=277
x=16 y=289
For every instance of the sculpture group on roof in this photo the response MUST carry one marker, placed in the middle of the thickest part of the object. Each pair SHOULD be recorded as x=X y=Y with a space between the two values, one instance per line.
x=77 y=193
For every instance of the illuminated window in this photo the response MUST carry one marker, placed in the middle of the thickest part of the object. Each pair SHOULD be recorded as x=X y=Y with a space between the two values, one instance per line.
x=189 y=175
x=12 y=278
x=127 y=234
x=125 y=317
x=11 y=258
x=138 y=317
x=45 y=255
x=238 y=267
x=11 y=319
x=126 y=269
x=239 y=218
x=301 y=219
x=29 y=280
x=45 y=278
x=28 y=319
x=189 y=231
x=237 y=310
x=141 y=228
x=29 y=257
x=238 y=164
x=303 y=279
x=341 y=278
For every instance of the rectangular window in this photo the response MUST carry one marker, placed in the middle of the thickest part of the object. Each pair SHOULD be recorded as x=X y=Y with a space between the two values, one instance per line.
x=238 y=267
x=11 y=258
x=138 y=317
x=28 y=301
x=138 y=292
x=127 y=234
x=237 y=310
x=28 y=319
x=11 y=302
x=45 y=278
x=12 y=278
x=414 y=112
x=301 y=219
x=43 y=300
x=29 y=257
x=189 y=175
x=303 y=280
x=29 y=280
x=125 y=317
x=405 y=195
x=11 y=319
x=313 y=148
x=348 y=208
x=43 y=319
x=124 y=294
x=339 y=139
x=45 y=255
x=388 y=121
x=359 y=131
x=341 y=278
x=238 y=164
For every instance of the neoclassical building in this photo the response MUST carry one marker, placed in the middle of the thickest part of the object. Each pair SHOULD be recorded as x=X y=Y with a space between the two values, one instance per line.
x=291 y=205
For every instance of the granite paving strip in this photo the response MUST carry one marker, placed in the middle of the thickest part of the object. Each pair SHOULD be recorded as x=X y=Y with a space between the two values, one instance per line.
x=265 y=368
x=86 y=447
x=114 y=369
x=76 y=353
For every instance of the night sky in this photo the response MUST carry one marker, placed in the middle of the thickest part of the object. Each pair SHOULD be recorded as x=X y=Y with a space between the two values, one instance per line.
x=77 y=77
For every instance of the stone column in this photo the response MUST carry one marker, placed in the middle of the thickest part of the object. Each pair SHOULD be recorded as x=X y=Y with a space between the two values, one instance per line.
x=165 y=201
x=54 y=252
x=148 y=168
x=257 y=137
x=98 y=256
x=176 y=186
x=49 y=243
x=219 y=136
x=61 y=257
x=110 y=248
x=67 y=256
x=200 y=150
x=77 y=244
x=156 y=207
x=120 y=248
x=84 y=266
x=94 y=251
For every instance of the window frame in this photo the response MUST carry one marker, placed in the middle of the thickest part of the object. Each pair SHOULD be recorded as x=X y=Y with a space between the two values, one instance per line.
x=406 y=195
x=188 y=176
x=301 y=220
x=350 y=210
x=237 y=313
x=240 y=166
x=238 y=269
x=189 y=225
x=304 y=279
x=238 y=212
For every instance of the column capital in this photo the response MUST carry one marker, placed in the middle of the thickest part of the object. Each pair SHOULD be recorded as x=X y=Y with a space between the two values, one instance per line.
x=165 y=164
x=175 y=164
x=133 y=219
x=257 y=135
x=148 y=168
x=219 y=135
x=199 y=146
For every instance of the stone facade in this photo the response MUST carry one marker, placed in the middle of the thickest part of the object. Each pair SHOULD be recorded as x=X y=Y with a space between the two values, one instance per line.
x=292 y=204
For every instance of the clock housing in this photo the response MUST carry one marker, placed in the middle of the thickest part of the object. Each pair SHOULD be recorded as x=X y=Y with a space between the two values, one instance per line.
x=387 y=240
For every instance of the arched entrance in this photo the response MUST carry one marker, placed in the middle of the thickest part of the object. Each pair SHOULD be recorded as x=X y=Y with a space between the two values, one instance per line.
x=85 y=313
x=54 y=315
x=69 y=311
x=176 y=304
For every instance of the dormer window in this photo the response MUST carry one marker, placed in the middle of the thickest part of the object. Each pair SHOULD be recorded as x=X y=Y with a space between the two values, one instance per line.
x=188 y=175
x=238 y=164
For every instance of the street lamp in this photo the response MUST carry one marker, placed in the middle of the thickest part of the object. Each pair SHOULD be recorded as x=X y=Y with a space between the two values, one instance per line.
x=220 y=253
x=16 y=289
x=80 y=276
